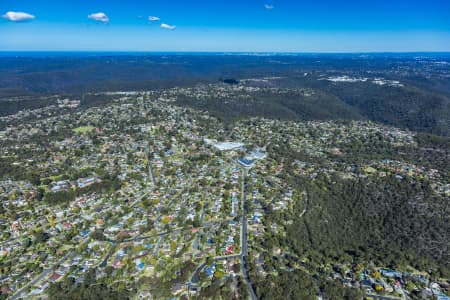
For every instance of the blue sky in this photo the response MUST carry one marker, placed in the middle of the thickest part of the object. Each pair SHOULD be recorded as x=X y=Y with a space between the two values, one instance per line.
x=246 y=25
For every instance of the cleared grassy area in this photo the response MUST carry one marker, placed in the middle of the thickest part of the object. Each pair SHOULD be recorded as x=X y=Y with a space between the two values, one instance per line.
x=83 y=129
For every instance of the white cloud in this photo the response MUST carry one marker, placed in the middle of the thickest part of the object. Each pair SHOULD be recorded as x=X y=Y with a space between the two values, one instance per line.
x=268 y=6
x=166 y=26
x=100 y=17
x=153 y=19
x=18 y=16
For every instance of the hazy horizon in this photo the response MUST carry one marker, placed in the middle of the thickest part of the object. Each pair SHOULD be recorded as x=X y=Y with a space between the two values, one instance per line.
x=254 y=26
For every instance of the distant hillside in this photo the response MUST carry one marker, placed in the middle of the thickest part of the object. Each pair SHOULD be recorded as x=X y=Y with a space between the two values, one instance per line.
x=407 y=107
x=423 y=104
